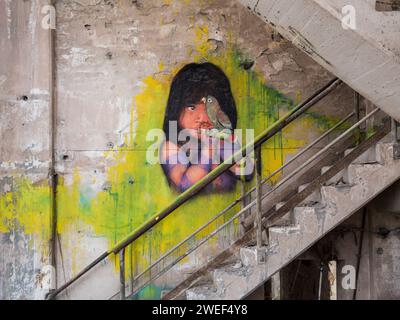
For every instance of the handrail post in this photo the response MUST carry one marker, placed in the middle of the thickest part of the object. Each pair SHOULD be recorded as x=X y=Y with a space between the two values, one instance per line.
x=258 y=220
x=122 y=273
x=361 y=112
x=396 y=130
x=200 y=185
x=242 y=205
x=396 y=138
x=243 y=201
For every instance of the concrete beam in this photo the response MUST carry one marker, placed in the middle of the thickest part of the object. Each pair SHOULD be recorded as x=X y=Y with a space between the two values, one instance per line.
x=366 y=58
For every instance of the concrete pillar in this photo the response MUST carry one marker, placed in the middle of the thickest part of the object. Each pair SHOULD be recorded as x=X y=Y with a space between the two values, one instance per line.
x=26 y=130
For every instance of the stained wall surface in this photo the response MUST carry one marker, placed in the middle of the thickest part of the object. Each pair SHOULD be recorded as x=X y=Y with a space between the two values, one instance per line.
x=25 y=150
x=114 y=63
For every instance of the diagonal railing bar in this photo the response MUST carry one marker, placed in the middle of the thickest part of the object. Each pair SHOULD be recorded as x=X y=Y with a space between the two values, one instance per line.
x=271 y=175
x=361 y=148
x=234 y=217
x=196 y=188
x=204 y=240
x=363 y=145
x=228 y=163
x=319 y=153
x=250 y=205
x=218 y=215
x=235 y=202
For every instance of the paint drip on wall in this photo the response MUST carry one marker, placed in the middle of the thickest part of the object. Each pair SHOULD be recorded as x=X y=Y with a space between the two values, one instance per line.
x=136 y=189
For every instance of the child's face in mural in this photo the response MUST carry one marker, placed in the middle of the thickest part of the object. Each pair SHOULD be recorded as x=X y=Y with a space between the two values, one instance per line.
x=205 y=121
x=195 y=117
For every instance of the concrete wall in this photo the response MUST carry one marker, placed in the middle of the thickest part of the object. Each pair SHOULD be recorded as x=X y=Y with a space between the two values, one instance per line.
x=114 y=64
x=378 y=263
x=25 y=150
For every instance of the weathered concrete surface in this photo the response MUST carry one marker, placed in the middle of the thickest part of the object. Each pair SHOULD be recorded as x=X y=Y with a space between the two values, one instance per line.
x=311 y=223
x=25 y=145
x=104 y=51
x=379 y=260
x=118 y=45
x=367 y=58
x=384 y=259
x=379 y=263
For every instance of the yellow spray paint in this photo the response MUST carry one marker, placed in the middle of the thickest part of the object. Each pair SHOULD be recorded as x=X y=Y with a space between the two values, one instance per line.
x=137 y=189
x=28 y=207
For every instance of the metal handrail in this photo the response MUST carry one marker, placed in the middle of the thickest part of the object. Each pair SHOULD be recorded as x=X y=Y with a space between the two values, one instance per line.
x=235 y=202
x=320 y=138
x=228 y=163
x=248 y=206
x=200 y=185
x=315 y=156
x=363 y=146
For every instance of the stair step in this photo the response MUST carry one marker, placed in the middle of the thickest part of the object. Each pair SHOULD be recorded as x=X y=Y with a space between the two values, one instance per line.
x=248 y=256
x=308 y=217
x=232 y=271
x=327 y=192
x=339 y=178
x=277 y=233
x=313 y=197
x=287 y=218
x=230 y=282
x=348 y=191
x=202 y=292
x=372 y=159
x=384 y=152
x=307 y=220
x=368 y=156
x=338 y=201
x=282 y=245
x=357 y=173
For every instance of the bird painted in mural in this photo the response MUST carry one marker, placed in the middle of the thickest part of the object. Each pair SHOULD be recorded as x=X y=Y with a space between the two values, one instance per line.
x=221 y=122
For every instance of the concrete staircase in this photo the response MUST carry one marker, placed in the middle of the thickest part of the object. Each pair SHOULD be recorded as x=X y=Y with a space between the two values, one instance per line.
x=366 y=57
x=335 y=201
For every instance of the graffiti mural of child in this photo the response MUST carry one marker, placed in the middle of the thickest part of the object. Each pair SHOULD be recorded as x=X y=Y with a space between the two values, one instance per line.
x=186 y=162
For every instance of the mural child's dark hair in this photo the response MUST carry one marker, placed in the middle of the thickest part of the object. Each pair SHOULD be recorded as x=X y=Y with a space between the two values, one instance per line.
x=192 y=83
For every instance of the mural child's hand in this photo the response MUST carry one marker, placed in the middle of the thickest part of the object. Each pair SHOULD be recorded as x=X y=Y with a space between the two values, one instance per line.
x=210 y=150
x=172 y=154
